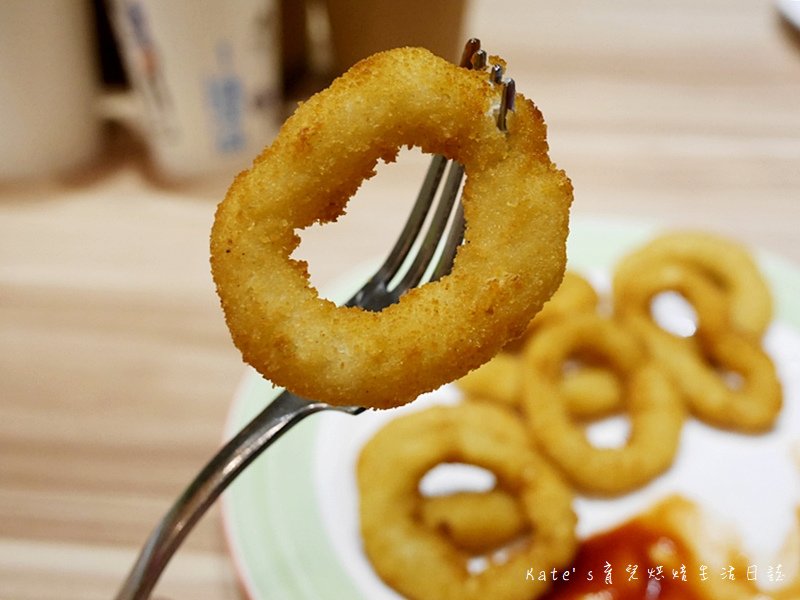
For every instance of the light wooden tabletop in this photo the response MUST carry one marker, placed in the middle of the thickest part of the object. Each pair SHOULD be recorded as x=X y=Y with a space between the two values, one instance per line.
x=117 y=370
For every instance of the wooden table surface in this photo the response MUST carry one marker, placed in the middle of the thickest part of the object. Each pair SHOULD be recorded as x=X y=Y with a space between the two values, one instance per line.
x=117 y=370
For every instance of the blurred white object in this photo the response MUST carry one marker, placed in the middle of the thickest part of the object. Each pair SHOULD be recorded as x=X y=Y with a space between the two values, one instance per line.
x=47 y=88
x=205 y=75
x=791 y=10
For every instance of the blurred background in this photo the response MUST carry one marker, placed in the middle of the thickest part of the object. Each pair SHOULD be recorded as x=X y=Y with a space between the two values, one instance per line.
x=123 y=122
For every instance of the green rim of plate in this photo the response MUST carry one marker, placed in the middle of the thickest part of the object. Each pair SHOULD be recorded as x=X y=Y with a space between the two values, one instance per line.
x=274 y=527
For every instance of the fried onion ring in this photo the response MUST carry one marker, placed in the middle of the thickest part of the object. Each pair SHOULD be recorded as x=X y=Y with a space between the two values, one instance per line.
x=478 y=522
x=590 y=391
x=701 y=364
x=726 y=263
x=574 y=295
x=654 y=404
x=634 y=295
x=421 y=563
x=499 y=380
x=516 y=205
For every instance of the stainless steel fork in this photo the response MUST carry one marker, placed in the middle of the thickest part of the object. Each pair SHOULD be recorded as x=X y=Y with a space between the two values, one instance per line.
x=399 y=273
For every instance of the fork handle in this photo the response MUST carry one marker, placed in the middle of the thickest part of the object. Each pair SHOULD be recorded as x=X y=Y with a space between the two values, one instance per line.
x=279 y=416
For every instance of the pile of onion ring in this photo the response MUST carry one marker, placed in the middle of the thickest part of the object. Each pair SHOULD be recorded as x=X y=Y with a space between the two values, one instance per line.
x=648 y=396
x=726 y=377
x=425 y=557
x=583 y=357
x=516 y=206
x=563 y=371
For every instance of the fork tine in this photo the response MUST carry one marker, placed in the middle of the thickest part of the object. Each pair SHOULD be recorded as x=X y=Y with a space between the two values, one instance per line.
x=472 y=57
x=456 y=234
x=373 y=295
x=454 y=238
x=433 y=236
x=478 y=61
x=506 y=103
x=472 y=47
x=376 y=294
x=413 y=225
x=496 y=74
x=472 y=52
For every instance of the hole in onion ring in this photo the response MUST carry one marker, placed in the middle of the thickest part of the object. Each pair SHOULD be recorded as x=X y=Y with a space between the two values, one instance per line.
x=732 y=379
x=609 y=432
x=571 y=366
x=498 y=556
x=673 y=313
x=449 y=478
x=366 y=210
x=477 y=564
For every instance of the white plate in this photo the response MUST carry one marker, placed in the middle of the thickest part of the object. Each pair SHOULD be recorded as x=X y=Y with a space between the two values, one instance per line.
x=292 y=517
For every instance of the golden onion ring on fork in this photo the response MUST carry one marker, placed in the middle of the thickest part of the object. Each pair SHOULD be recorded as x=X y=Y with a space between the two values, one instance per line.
x=516 y=206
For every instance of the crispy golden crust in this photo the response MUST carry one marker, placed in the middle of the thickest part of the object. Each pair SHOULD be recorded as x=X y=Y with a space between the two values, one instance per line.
x=590 y=392
x=654 y=404
x=698 y=364
x=516 y=205
x=724 y=262
x=419 y=561
x=476 y=522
